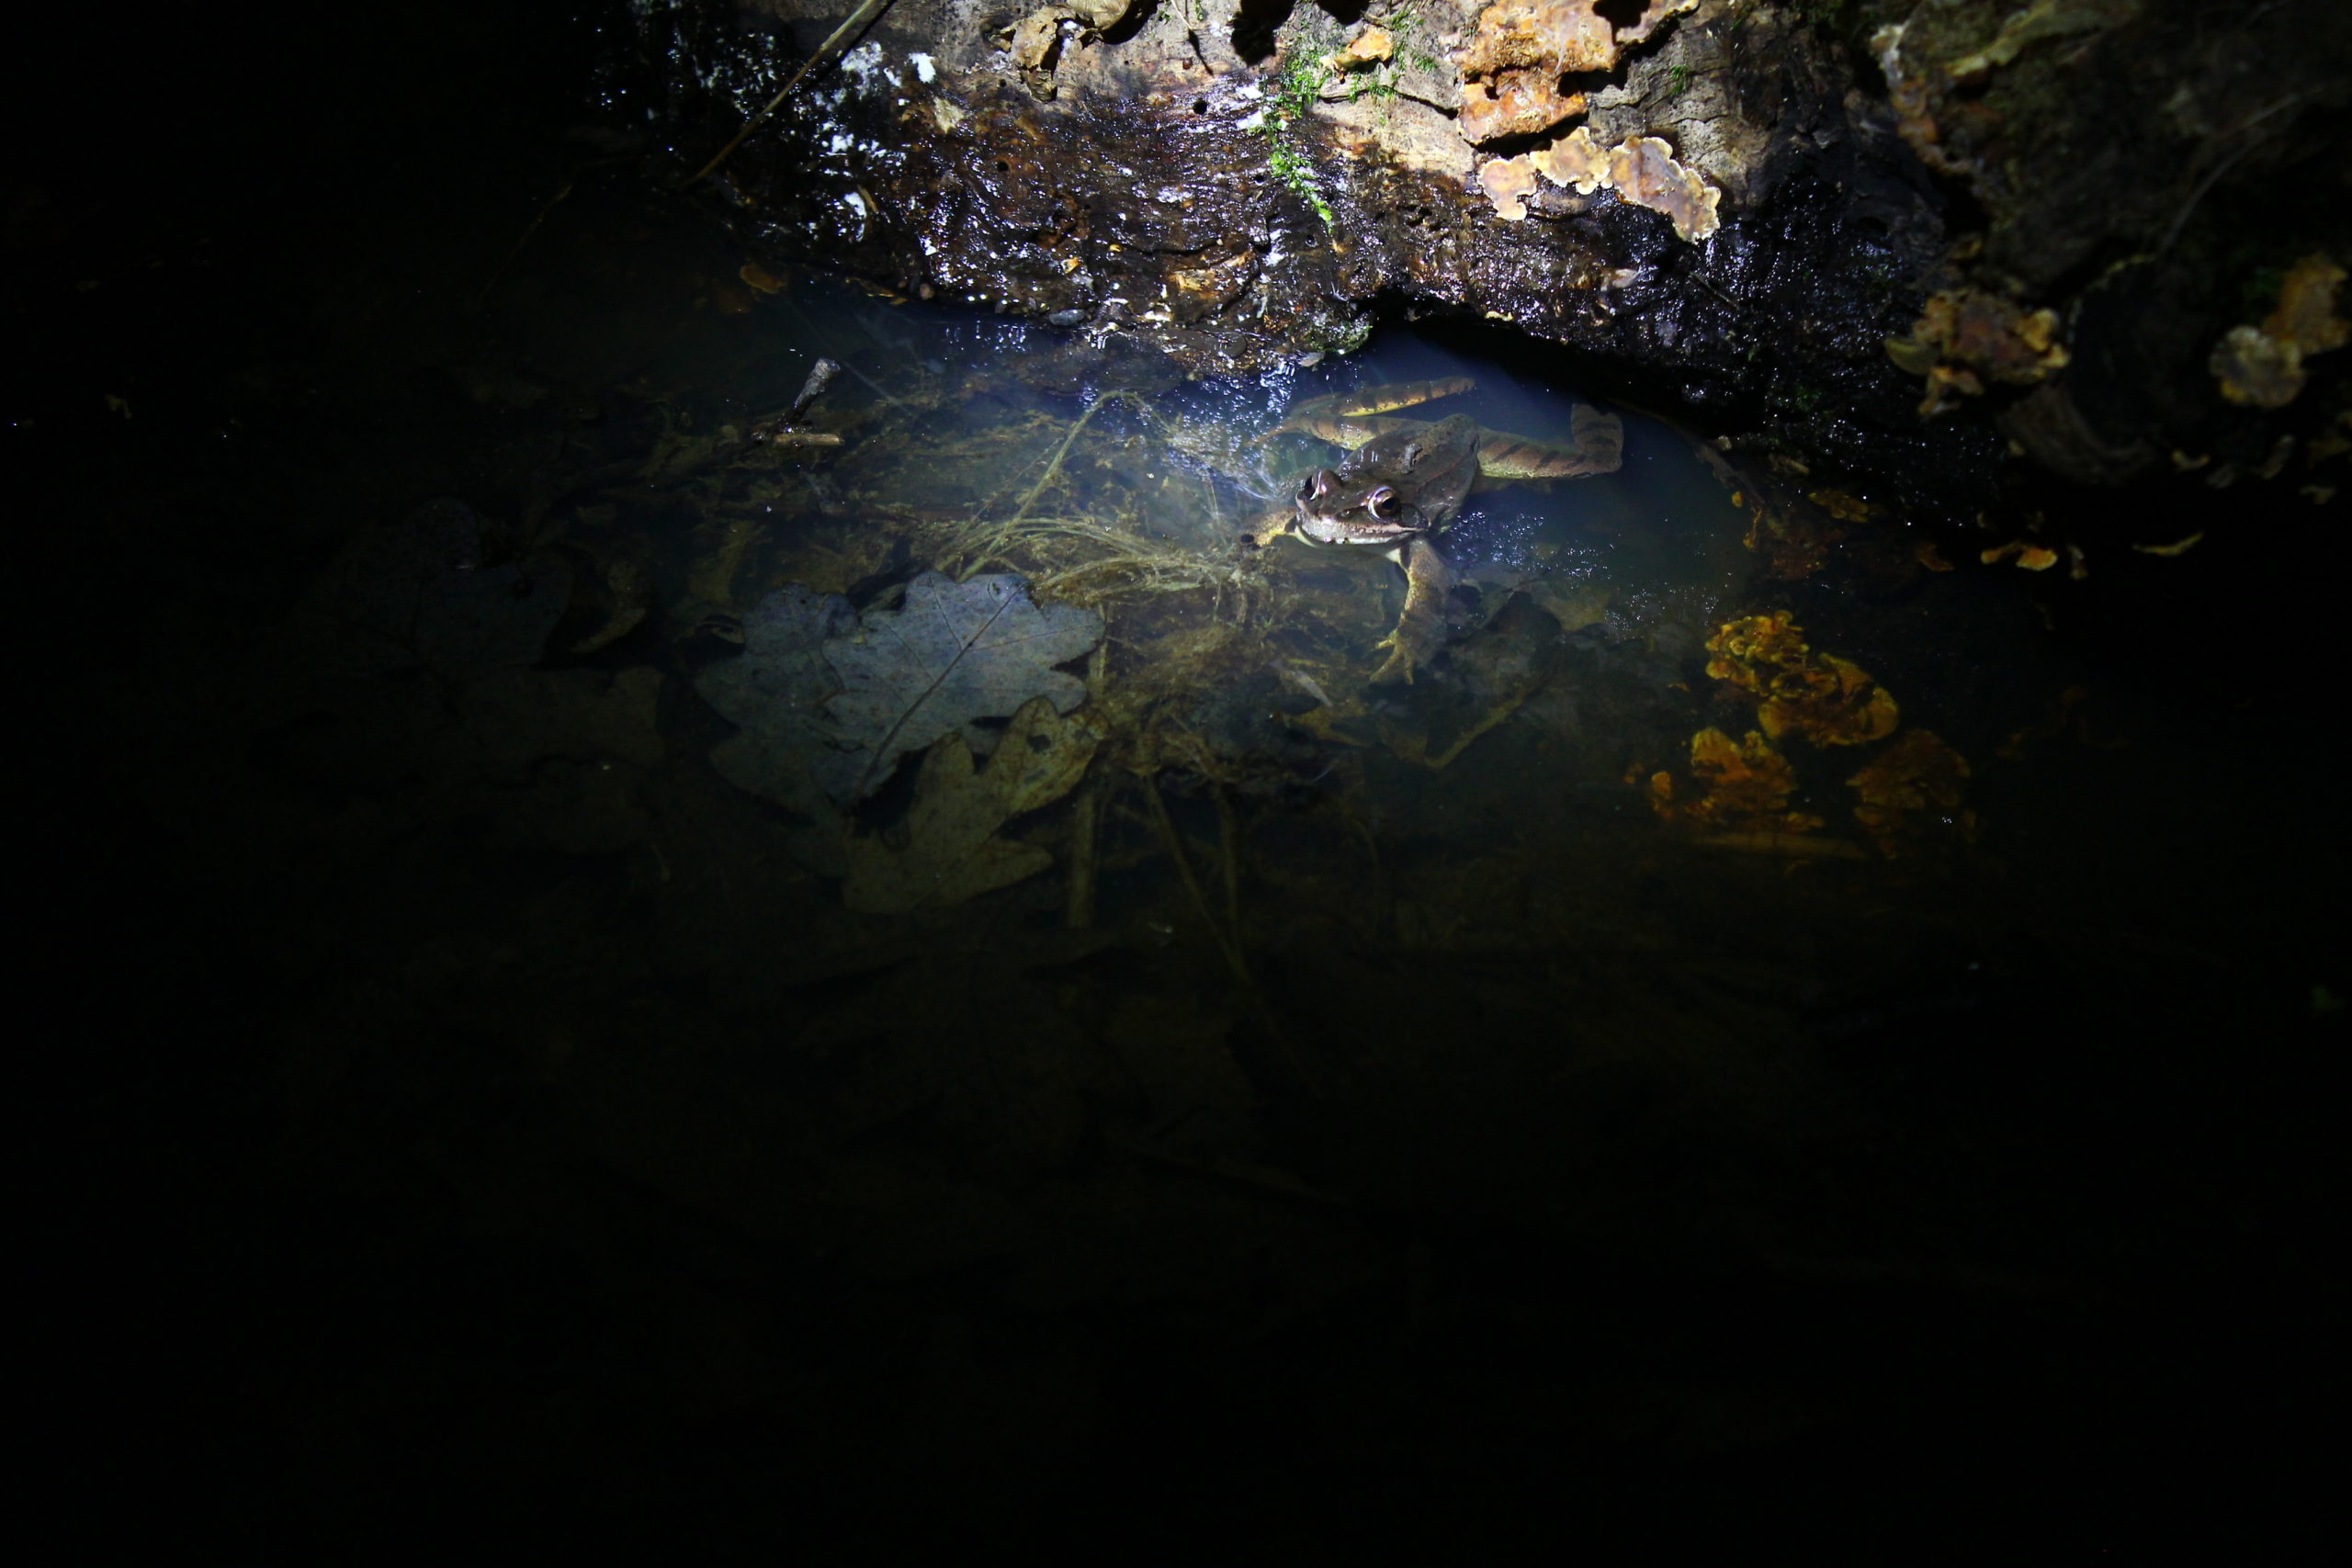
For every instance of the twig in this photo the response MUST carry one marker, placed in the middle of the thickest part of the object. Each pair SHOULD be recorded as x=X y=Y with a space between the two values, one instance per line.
x=1053 y=466
x=1004 y=530
x=524 y=239
x=825 y=52
x=1086 y=822
x=1085 y=832
x=1173 y=846
x=1228 y=844
x=1227 y=941
x=2229 y=160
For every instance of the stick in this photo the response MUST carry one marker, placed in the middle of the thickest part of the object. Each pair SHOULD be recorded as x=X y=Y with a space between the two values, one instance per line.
x=524 y=239
x=1085 y=829
x=1086 y=823
x=1227 y=942
x=1228 y=844
x=1004 y=532
x=1172 y=846
x=825 y=52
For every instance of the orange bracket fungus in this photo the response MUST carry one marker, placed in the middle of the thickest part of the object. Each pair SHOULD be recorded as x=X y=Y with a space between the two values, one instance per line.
x=1641 y=170
x=1816 y=696
x=1515 y=76
x=2263 y=366
x=1369 y=47
x=1507 y=182
x=1964 y=335
x=1510 y=73
x=1748 y=785
x=1911 y=793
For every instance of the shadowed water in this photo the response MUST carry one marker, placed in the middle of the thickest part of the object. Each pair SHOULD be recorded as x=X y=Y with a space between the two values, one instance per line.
x=1447 y=1112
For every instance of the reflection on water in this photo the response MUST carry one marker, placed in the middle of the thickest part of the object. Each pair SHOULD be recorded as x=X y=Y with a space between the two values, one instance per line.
x=941 y=897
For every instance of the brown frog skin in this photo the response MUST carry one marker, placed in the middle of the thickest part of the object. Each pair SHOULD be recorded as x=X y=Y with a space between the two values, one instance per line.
x=1405 y=480
x=1351 y=420
x=1395 y=493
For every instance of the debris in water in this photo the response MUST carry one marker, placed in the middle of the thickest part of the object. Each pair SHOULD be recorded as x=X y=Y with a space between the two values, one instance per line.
x=820 y=375
x=829 y=701
x=1819 y=696
x=951 y=849
x=1911 y=795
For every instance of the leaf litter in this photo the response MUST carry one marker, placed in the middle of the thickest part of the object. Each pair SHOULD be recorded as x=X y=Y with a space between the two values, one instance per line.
x=953 y=653
x=827 y=701
x=953 y=851
x=421 y=592
x=553 y=758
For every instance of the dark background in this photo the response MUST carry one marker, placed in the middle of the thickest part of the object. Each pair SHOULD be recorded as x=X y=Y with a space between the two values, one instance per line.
x=226 y=1345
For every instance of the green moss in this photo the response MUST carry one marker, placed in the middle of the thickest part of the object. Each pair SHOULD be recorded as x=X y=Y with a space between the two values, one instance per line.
x=1297 y=83
x=1344 y=337
x=1300 y=79
x=1406 y=26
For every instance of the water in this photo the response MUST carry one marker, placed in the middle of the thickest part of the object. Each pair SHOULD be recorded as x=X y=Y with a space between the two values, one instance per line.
x=1413 y=1104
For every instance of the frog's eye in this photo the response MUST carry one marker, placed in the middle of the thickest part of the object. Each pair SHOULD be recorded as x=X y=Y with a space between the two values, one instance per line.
x=1315 y=485
x=1383 y=504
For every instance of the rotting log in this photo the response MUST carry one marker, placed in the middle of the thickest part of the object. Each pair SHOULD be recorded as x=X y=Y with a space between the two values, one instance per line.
x=1905 y=238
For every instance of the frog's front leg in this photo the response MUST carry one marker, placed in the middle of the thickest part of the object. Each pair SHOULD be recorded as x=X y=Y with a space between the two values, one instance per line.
x=1421 y=626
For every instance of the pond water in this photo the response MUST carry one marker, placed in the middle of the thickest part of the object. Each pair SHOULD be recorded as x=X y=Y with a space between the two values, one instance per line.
x=879 y=970
x=1583 y=652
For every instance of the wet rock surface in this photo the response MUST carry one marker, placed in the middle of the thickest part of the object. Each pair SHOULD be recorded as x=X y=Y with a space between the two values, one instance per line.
x=1236 y=185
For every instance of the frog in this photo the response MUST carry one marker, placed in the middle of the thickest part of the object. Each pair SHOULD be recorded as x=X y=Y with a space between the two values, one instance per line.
x=1402 y=482
x=1596 y=442
x=1394 y=494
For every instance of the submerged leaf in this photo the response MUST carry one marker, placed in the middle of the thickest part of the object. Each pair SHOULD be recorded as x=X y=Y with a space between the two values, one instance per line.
x=774 y=692
x=952 y=653
x=418 y=593
x=826 y=703
x=952 y=852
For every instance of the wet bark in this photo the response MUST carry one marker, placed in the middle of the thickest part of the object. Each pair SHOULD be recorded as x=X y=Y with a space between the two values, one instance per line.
x=1905 y=238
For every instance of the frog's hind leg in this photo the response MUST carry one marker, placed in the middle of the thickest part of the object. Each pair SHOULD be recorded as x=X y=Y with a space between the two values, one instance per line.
x=1327 y=418
x=1389 y=395
x=1421 y=626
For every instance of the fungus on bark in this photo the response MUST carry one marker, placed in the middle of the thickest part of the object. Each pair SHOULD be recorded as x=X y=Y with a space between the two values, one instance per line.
x=1513 y=71
x=1508 y=182
x=1642 y=170
x=2263 y=366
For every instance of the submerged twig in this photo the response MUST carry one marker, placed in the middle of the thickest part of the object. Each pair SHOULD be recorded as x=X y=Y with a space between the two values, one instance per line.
x=1228 y=844
x=1228 y=942
x=825 y=52
x=1086 y=821
x=1053 y=466
x=1085 y=835
x=1172 y=845
x=521 y=240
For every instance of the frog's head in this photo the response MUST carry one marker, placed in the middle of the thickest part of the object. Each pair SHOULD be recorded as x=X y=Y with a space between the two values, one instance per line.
x=1367 y=510
x=1403 y=483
